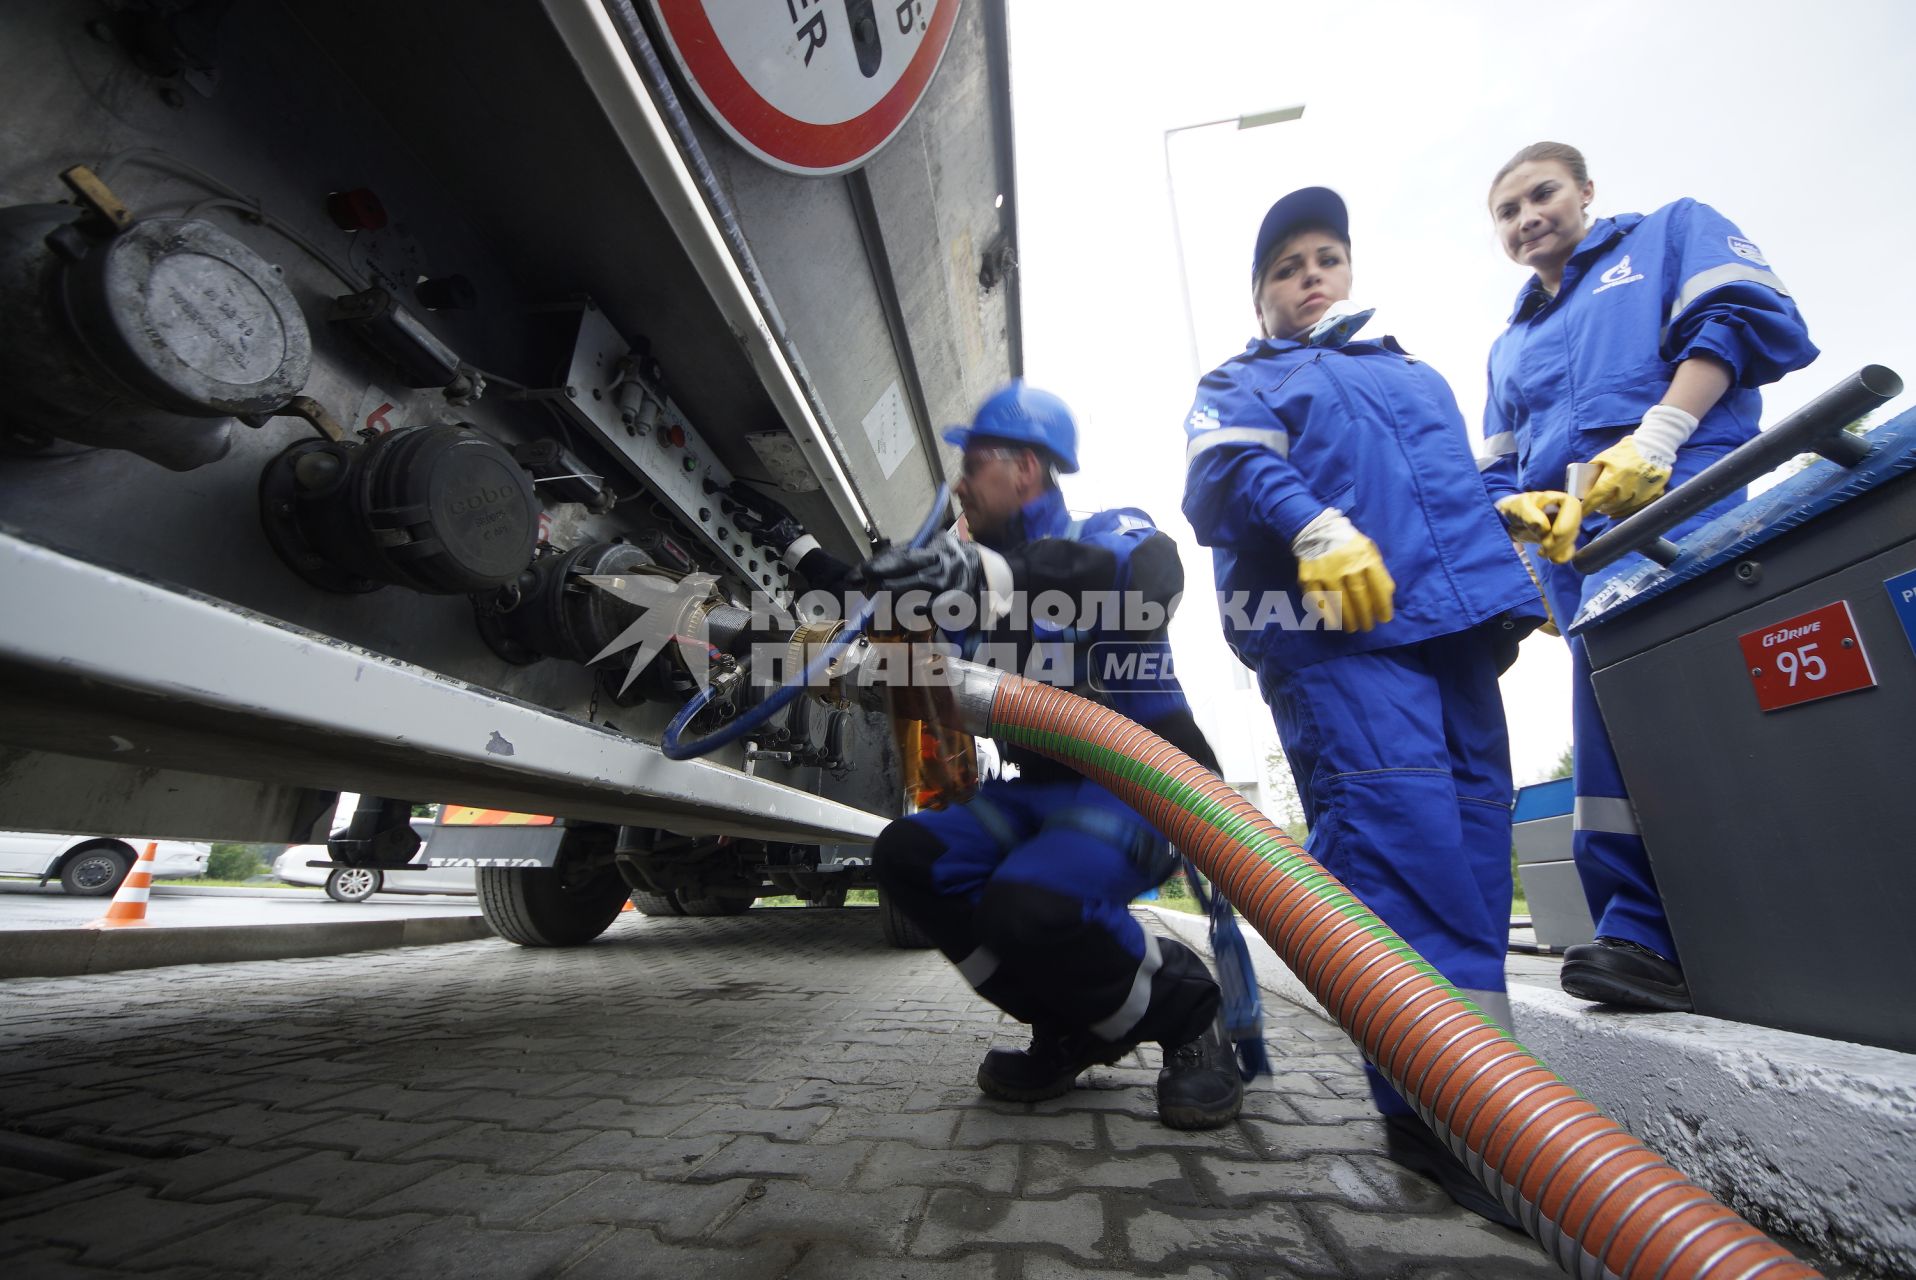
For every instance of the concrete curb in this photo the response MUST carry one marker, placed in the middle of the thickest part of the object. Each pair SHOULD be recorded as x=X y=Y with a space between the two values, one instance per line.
x=61 y=953
x=186 y=889
x=1812 y=1138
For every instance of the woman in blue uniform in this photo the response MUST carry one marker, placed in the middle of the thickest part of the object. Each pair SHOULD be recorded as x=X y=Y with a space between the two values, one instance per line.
x=1366 y=578
x=1638 y=346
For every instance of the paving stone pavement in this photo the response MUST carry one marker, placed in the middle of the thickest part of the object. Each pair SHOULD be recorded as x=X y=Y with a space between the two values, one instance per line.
x=777 y=1094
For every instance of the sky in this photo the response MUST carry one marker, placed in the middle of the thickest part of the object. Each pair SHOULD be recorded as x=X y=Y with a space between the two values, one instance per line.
x=1795 y=120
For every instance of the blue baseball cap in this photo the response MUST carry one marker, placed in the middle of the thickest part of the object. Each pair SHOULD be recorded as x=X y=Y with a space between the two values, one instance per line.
x=1305 y=207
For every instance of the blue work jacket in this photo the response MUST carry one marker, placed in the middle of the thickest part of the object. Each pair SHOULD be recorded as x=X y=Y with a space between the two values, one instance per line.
x=1095 y=589
x=1574 y=373
x=1283 y=430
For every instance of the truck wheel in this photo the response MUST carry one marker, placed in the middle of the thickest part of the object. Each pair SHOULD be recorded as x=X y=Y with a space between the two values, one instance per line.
x=714 y=905
x=656 y=904
x=541 y=907
x=900 y=930
x=353 y=884
x=95 y=872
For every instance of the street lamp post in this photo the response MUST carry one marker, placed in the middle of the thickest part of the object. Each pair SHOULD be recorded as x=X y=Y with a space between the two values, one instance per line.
x=1249 y=120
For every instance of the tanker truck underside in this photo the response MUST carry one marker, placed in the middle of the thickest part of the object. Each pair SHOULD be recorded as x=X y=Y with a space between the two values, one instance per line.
x=356 y=350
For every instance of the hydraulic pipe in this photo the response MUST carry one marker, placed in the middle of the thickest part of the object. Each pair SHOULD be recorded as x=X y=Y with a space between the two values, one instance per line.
x=673 y=742
x=1599 y=1202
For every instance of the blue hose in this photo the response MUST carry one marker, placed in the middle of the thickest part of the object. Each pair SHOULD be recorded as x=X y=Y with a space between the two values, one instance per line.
x=1236 y=979
x=676 y=748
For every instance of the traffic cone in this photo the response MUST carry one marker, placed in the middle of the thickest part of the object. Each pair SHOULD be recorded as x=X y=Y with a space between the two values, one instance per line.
x=629 y=906
x=129 y=901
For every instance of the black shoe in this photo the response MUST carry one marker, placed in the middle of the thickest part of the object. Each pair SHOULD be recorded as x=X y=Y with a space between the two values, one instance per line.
x=1199 y=1086
x=1409 y=1142
x=1049 y=1067
x=1618 y=971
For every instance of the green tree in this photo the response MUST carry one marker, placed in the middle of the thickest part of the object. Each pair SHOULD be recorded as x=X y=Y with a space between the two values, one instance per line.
x=233 y=862
x=1281 y=800
x=1565 y=762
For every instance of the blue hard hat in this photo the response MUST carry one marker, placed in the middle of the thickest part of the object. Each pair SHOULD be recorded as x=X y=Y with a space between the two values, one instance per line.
x=1305 y=207
x=1019 y=413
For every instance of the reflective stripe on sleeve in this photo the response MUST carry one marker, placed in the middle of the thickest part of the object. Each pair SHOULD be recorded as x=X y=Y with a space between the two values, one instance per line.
x=1120 y=1024
x=1276 y=439
x=977 y=967
x=1501 y=445
x=804 y=546
x=1716 y=277
x=1611 y=814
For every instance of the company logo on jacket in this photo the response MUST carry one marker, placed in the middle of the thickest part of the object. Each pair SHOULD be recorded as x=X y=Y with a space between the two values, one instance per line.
x=1619 y=274
x=1204 y=418
x=1749 y=252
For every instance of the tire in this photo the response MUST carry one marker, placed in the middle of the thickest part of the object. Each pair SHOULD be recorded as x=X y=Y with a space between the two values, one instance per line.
x=713 y=904
x=537 y=907
x=656 y=904
x=353 y=884
x=900 y=930
x=95 y=872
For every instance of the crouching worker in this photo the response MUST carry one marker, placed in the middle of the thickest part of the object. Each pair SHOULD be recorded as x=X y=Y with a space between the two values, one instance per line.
x=1026 y=887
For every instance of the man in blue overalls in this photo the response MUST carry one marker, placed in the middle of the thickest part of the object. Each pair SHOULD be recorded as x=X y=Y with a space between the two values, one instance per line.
x=1025 y=887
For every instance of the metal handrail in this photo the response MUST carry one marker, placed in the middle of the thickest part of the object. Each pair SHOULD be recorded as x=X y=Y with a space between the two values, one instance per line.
x=1817 y=427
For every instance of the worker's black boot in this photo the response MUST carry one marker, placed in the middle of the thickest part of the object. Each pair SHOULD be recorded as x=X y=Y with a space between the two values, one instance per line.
x=1409 y=1142
x=1199 y=1086
x=1049 y=1067
x=1618 y=971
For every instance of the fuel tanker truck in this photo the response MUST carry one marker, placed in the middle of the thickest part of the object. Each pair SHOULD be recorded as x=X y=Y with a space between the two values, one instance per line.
x=388 y=387
x=351 y=348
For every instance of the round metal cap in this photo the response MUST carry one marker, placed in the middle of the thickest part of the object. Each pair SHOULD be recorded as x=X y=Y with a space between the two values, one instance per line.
x=187 y=315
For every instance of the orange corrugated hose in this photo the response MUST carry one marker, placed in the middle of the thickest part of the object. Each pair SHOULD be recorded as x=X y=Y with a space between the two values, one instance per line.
x=1598 y=1201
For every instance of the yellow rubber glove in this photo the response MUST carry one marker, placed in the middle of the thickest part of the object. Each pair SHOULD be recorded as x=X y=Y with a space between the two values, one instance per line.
x=1626 y=480
x=1335 y=561
x=1633 y=472
x=1547 y=517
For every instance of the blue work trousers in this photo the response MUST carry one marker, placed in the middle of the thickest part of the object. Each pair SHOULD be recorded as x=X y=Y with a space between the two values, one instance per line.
x=1402 y=758
x=1027 y=888
x=1608 y=848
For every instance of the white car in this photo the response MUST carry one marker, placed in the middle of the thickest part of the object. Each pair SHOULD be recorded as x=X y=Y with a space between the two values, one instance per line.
x=356 y=884
x=93 y=866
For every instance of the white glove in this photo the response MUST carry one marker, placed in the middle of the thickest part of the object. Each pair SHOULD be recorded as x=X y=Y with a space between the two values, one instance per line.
x=1328 y=530
x=1662 y=432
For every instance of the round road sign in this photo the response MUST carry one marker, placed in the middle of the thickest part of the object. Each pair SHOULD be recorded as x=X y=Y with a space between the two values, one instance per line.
x=810 y=86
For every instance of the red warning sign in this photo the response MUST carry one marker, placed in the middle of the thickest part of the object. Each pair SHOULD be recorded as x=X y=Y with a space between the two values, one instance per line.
x=809 y=86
